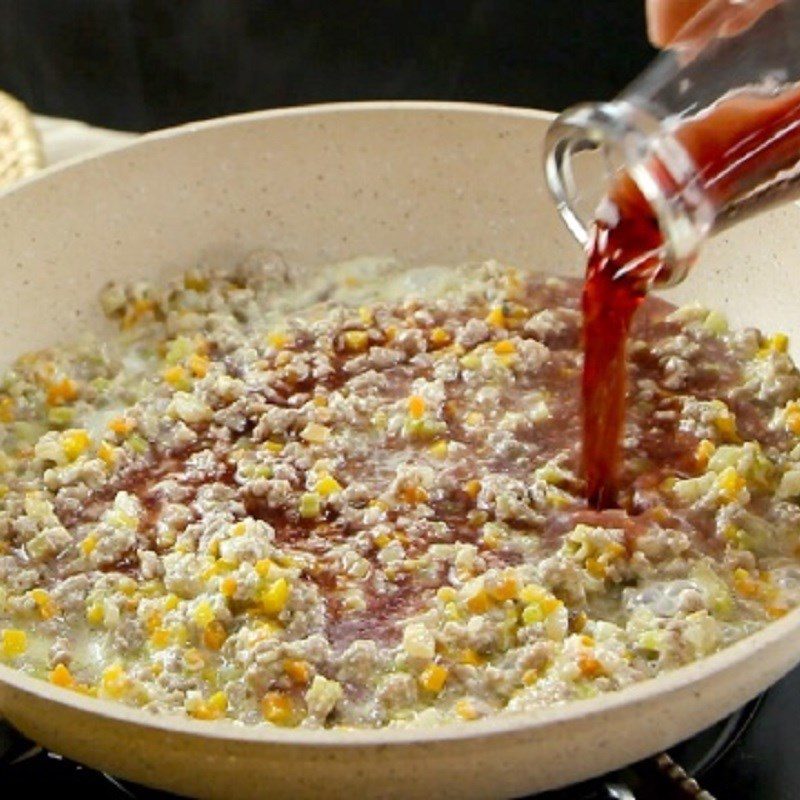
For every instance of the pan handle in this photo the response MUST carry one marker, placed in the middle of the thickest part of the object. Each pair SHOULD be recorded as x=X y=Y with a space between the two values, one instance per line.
x=658 y=777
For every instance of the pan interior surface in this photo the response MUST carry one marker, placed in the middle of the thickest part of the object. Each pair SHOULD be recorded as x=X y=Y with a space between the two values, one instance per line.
x=425 y=183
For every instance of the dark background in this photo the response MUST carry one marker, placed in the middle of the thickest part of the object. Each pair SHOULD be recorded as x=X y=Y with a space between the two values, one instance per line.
x=142 y=64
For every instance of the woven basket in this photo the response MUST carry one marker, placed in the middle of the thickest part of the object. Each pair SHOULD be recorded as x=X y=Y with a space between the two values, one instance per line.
x=20 y=146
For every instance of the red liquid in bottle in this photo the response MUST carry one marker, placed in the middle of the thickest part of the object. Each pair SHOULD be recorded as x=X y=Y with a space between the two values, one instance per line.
x=746 y=151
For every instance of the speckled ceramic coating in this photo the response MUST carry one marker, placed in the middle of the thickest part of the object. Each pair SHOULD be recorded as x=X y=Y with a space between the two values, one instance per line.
x=430 y=183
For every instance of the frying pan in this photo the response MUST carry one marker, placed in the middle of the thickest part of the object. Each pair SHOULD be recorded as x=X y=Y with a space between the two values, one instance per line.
x=428 y=182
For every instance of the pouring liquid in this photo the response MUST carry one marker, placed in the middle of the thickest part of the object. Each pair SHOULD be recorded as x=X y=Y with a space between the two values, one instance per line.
x=746 y=154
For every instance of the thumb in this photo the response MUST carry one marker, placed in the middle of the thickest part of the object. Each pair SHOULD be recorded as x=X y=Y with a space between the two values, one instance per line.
x=665 y=18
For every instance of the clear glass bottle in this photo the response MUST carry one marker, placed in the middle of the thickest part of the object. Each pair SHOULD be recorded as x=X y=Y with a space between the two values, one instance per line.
x=709 y=133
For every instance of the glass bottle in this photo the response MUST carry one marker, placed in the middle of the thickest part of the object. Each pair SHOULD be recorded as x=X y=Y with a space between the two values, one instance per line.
x=708 y=133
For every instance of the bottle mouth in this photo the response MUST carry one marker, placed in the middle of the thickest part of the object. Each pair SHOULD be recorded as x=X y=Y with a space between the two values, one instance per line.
x=589 y=146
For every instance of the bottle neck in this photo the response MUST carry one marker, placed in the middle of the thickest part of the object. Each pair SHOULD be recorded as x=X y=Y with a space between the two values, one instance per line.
x=593 y=149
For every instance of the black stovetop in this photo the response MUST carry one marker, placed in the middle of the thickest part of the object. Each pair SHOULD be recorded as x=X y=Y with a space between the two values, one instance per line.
x=754 y=754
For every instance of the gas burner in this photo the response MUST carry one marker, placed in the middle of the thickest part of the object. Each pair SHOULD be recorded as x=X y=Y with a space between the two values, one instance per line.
x=748 y=754
x=669 y=775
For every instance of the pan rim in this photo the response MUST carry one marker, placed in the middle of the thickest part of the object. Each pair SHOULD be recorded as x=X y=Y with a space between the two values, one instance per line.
x=744 y=652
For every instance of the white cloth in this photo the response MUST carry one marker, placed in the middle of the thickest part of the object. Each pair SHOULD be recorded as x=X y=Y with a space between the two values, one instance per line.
x=66 y=138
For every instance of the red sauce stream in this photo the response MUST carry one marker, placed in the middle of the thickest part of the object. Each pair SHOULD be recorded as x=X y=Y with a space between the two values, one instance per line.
x=744 y=150
x=609 y=301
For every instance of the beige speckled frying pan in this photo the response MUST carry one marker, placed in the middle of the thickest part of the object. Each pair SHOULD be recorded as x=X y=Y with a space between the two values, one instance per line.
x=431 y=183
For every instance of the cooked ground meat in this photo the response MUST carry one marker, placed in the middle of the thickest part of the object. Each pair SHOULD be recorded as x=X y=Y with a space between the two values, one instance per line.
x=355 y=500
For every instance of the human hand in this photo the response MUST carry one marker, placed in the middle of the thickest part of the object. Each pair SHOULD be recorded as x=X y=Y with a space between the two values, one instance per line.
x=667 y=18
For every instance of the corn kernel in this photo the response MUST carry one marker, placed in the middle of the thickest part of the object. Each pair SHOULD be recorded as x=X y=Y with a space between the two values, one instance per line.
x=472 y=488
x=315 y=433
x=730 y=483
x=490 y=538
x=65 y=391
x=74 y=442
x=530 y=676
x=726 y=425
x=219 y=702
x=95 y=614
x=496 y=318
x=62 y=677
x=309 y=505
x=433 y=678
x=171 y=602
x=180 y=635
x=195 y=281
x=776 y=611
x=745 y=584
x=356 y=341
x=447 y=594
x=439 y=449
x=589 y=665
x=45 y=604
x=160 y=638
x=383 y=540
x=297 y=670
x=413 y=495
x=479 y=603
x=277 y=708
x=274 y=599
x=507 y=589
x=211 y=709
x=471 y=360
x=365 y=315
x=122 y=425
x=107 y=453
x=440 y=337
x=228 y=586
x=469 y=656
x=704 y=451
x=327 y=485
x=114 y=681
x=531 y=593
x=278 y=339
x=532 y=614
x=177 y=378
x=153 y=621
x=88 y=545
x=13 y=642
x=549 y=604
x=778 y=343
x=204 y=614
x=200 y=710
x=505 y=347
x=416 y=406
x=466 y=710
x=596 y=568
x=6 y=409
x=264 y=566
x=198 y=364
x=61 y=416
x=214 y=635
